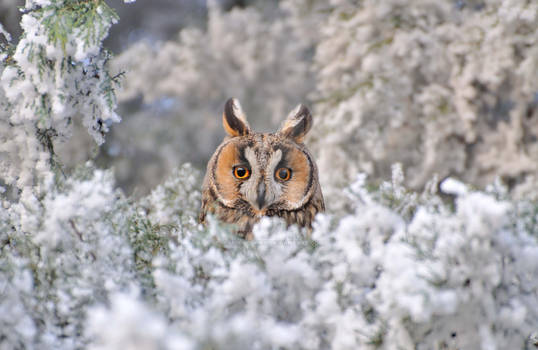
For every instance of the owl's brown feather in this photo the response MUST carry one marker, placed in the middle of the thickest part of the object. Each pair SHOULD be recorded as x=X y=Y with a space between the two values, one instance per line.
x=258 y=189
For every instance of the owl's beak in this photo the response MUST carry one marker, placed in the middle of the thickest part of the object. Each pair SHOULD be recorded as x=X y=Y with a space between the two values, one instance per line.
x=260 y=198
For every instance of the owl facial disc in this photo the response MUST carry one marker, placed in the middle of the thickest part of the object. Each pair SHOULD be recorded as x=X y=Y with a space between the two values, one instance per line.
x=252 y=174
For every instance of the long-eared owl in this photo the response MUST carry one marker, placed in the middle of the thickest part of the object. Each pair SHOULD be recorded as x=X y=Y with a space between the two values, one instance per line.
x=251 y=174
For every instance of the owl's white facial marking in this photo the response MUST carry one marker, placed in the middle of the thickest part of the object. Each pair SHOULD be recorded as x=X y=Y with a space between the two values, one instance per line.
x=261 y=190
x=249 y=188
x=274 y=188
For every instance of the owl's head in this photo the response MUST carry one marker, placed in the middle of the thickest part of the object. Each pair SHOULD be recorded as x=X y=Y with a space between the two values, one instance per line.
x=261 y=173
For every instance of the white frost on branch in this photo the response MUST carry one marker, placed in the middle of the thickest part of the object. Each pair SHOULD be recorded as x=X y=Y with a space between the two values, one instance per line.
x=129 y=324
x=56 y=74
x=398 y=268
x=58 y=262
x=409 y=82
x=401 y=269
x=5 y=34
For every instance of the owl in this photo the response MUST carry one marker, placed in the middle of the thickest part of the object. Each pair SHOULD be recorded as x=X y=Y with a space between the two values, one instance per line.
x=252 y=175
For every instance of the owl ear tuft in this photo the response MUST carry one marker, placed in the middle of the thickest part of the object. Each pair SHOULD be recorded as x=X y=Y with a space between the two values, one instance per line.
x=297 y=124
x=234 y=119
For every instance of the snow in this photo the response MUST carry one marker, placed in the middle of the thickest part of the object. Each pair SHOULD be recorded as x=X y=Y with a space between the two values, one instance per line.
x=386 y=267
x=45 y=89
x=129 y=324
x=4 y=33
x=453 y=186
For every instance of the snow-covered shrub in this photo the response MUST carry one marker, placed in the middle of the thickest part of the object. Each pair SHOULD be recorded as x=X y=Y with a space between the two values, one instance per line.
x=76 y=253
x=54 y=74
x=400 y=271
x=446 y=87
x=203 y=67
x=130 y=324
x=61 y=242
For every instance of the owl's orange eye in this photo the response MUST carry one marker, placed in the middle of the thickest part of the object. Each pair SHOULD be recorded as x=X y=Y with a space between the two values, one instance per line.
x=241 y=172
x=283 y=174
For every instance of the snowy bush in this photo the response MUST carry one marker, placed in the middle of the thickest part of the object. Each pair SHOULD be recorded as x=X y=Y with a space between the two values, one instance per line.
x=55 y=74
x=448 y=267
x=446 y=87
x=75 y=254
x=400 y=270
x=60 y=252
